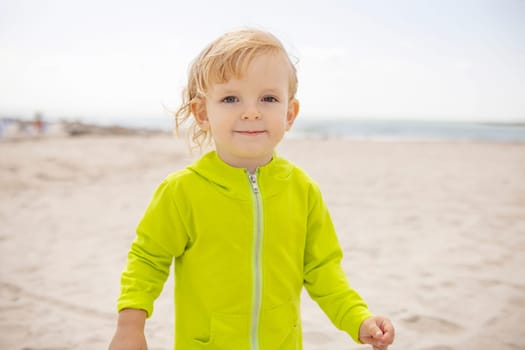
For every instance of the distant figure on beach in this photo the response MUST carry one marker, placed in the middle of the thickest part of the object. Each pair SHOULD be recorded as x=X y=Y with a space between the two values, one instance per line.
x=245 y=228
x=38 y=124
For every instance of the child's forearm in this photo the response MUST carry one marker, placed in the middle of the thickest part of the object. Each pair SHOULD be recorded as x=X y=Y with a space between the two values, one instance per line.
x=130 y=331
x=132 y=319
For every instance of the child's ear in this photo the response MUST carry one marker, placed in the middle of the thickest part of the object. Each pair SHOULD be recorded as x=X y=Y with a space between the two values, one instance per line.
x=293 y=111
x=198 y=109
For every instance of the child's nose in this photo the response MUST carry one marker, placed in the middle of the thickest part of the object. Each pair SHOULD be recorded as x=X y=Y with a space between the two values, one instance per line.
x=251 y=115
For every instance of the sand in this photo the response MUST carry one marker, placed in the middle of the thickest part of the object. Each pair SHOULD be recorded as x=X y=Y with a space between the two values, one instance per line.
x=433 y=234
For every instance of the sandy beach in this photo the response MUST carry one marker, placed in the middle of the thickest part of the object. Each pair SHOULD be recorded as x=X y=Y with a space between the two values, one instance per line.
x=433 y=234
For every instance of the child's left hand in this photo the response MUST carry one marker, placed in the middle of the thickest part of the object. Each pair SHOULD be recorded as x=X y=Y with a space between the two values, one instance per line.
x=377 y=331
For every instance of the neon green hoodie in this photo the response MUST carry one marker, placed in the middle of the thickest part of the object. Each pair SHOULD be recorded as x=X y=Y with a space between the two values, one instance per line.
x=243 y=246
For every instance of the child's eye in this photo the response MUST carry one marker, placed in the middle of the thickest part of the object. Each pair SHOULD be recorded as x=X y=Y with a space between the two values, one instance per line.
x=230 y=99
x=270 y=99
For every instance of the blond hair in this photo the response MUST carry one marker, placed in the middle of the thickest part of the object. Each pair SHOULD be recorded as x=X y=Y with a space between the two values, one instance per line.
x=225 y=58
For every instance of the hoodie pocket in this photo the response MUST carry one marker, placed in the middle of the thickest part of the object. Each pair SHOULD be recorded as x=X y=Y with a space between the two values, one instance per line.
x=279 y=330
x=227 y=332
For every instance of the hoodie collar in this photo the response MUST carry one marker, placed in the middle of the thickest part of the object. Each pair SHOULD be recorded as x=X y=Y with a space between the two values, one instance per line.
x=234 y=182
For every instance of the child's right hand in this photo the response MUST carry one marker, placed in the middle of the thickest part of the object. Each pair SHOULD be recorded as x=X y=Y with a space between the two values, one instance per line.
x=124 y=340
x=130 y=331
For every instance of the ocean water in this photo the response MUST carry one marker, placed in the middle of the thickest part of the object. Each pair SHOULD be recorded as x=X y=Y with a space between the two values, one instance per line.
x=373 y=129
x=362 y=129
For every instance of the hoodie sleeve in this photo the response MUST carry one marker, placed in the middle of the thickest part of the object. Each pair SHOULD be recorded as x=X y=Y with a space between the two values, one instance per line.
x=324 y=277
x=159 y=238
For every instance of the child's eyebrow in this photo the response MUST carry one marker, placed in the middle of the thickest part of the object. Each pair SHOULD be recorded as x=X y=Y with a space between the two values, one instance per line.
x=274 y=91
x=223 y=93
x=231 y=91
x=227 y=91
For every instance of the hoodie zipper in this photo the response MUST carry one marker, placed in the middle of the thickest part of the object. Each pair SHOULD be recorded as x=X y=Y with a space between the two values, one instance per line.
x=256 y=262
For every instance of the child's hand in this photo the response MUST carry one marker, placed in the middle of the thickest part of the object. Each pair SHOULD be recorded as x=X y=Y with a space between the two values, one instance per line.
x=124 y=340
x=377 y=331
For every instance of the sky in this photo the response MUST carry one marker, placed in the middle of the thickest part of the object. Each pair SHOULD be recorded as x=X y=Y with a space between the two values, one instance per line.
x=401 y=59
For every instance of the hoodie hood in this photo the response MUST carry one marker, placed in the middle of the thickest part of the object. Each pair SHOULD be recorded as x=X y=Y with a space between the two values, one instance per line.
x=228 y=178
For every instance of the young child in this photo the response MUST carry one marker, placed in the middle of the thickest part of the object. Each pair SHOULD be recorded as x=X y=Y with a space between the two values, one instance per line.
x=246 y=228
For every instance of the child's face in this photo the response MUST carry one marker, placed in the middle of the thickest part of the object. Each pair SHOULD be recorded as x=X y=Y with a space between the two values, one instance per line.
x=248 y=117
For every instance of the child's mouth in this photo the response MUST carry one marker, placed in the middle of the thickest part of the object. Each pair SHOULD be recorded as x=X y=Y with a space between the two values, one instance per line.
x=250 y=132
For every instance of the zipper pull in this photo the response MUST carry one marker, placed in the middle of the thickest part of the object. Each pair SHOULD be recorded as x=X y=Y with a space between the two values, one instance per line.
x=253 y=181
